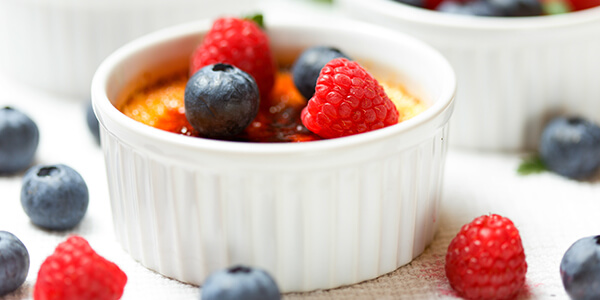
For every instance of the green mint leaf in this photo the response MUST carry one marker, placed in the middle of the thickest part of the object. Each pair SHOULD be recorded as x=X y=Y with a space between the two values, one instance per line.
x=258 y=19
x=531 y=165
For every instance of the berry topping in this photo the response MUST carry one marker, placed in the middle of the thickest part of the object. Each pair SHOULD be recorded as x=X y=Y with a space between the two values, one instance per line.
x=580 y=269
x=92 y=122
x=241 y=43
x=347 y=101
x=240 y=282
x=14 y=263
x=54 y=197
x=583 y=4
x=486 y=259
x=308 y=65
x=493 y=8
x=221 y=101
x=571 y=147
x=75 y=271
x=19 y=138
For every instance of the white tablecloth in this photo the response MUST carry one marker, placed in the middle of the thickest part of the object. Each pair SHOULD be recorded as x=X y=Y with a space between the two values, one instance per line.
x=551 y=212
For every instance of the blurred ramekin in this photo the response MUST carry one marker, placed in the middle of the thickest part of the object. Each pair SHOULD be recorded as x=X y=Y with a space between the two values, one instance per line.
x=57 y=45
x=513 y=73
x=315 y=214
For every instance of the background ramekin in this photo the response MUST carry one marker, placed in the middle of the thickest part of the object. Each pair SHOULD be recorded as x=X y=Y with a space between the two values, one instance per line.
x=57 y=45
x=513 y=73
x=315 y=215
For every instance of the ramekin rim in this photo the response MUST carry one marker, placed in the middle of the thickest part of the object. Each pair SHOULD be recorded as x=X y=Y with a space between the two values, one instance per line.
x=102 y=103
x=395 y=10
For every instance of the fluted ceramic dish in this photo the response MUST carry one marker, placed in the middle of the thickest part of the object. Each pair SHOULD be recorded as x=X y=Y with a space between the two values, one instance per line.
x=57 y=45
x=513 y=73
x=316 y=215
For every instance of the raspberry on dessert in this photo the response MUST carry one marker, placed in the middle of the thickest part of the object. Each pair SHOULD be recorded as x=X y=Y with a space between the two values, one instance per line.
x=221 y=100
x=240 y=282
x=486 y=259
x=14 y=262
x=54 y=197
x=308 y=65
x=241 y=43
x=75 y=271
x=347 y=100
x=580 y=268
x=19 y=138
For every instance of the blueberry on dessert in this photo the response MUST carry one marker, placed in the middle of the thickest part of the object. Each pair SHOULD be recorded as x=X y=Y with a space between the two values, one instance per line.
x=580 y=269
x=571 y=147
x=19 y=138
x=14 y=262
x=221 y=100
x=240 y=282
x=54 y=197
x=308 y=65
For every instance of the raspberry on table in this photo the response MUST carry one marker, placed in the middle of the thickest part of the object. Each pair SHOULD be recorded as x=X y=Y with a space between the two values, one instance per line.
x=75 y=271
x=241 y=43
x=347 y=100
x=486 y=259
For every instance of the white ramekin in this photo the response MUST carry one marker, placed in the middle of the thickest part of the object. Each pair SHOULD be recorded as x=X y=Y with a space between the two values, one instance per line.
x=57 y=45
x=316 y=215
x=513 y=73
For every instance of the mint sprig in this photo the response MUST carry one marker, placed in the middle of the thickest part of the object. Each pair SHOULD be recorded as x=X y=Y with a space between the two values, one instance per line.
x=532 y=165
x=258 y=19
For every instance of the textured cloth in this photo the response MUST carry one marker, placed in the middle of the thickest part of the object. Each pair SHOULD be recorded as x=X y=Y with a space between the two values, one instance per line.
x=551 y=212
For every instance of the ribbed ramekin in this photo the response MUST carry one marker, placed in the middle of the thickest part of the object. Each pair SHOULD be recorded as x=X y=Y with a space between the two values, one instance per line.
x=57 y=45
x=513 y=73
x=316 y=215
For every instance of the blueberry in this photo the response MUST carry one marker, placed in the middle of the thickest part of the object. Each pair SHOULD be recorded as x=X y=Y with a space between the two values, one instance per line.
x=240 y=282
x=92 y=122
x=518 y=8
x=308 y=65
x=54 y=197
x=19 y=138
x=14 y=262
x=571 y=147
x=580 y=269
x=221 y=100
x=416 y=3
x=472 y=8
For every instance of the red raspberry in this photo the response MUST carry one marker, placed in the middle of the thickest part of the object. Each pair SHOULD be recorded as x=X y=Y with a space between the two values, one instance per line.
x=241 y=43
x=75 y=271
x=347 y=101
x=486 y=259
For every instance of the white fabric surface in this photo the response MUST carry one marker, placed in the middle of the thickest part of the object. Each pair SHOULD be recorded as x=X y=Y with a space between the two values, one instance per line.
x=551 y=212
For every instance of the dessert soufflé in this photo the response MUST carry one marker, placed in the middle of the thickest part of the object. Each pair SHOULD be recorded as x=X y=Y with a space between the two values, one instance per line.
x=347 y=98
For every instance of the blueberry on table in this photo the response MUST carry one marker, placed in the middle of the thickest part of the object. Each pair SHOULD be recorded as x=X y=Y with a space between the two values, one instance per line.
x=19 y=138
x=54 y=197
x=308 y=65
x=240 y=282
x=580 y=269
x=92 y=122
x=221 y=100
x=571 y=147
x=14 y=262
